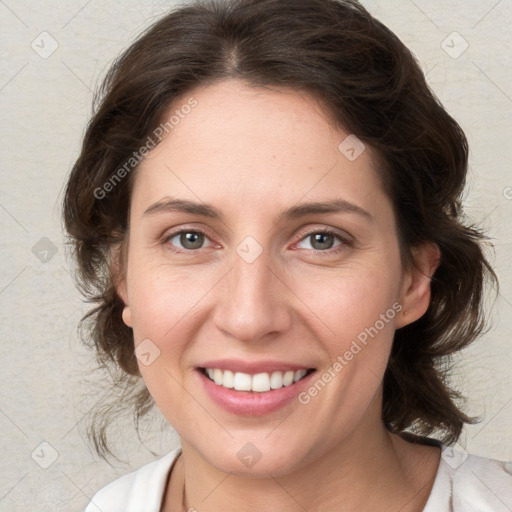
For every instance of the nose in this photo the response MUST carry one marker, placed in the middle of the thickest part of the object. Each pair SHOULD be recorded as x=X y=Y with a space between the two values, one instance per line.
x=253 y=301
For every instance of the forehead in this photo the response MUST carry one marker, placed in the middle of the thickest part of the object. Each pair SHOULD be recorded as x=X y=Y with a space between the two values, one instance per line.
x=254 y=146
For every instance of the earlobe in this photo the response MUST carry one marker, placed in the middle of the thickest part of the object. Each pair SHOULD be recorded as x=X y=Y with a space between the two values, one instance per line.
x=127 y=316
x=119 y=278
x=415 y=297
x=123 y=295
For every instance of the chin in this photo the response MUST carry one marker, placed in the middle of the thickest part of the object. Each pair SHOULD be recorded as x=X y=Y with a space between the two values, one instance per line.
x=246 y=458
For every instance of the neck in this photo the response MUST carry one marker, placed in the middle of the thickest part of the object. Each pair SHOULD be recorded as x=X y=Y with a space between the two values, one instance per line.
x=364 y=473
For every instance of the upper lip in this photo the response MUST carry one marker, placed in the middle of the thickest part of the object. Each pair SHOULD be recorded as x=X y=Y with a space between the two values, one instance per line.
x=253 y=367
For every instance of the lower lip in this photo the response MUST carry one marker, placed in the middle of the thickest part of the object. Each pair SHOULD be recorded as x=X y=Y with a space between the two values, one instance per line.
x=250 y=403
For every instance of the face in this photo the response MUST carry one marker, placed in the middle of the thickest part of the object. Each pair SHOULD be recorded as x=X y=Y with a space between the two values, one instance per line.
x=260 y=253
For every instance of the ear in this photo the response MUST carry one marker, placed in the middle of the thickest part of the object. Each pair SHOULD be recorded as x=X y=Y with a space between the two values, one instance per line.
x=415 y=291
x=118 y=273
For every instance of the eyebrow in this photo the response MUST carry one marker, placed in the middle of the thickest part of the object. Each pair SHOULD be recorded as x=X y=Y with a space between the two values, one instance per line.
x=170 y=205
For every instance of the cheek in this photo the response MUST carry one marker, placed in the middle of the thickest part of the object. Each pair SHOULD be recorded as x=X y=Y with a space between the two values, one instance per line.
x=161 y=304
x=161 y=297
x=357 y=308
x=351 y=298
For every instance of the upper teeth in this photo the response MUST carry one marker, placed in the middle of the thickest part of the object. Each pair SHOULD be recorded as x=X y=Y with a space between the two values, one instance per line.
x=260 y=382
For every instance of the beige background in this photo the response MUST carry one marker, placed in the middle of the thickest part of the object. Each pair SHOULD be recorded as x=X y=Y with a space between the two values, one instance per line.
x=47 y=383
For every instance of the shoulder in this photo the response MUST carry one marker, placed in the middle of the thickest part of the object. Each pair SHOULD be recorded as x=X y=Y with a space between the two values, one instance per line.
x=143 y=487
x=469 y=483
x=481 y=483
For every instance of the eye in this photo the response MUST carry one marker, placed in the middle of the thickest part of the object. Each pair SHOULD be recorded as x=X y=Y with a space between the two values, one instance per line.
x=324 y=240
x=187 y=240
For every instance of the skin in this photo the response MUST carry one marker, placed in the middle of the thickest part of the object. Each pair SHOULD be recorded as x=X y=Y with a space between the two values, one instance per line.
x=253 y=153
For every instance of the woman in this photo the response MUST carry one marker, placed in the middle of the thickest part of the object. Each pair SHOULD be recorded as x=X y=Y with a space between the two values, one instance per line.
x=266 y=210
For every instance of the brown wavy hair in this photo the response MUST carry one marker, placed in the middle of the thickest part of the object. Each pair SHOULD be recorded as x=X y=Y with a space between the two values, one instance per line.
x=373 y=87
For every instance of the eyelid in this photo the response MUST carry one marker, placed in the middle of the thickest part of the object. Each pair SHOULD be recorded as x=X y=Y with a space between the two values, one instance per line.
x=168 y=235
x=343 y=237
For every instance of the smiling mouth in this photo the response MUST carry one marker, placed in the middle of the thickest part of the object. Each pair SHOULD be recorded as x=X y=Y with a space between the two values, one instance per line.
x=258 y=383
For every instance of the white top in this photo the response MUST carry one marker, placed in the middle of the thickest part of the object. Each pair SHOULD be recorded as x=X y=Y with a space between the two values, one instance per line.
x=464 y=483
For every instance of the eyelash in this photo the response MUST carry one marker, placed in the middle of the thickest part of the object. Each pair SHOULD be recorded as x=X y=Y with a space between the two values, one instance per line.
x=345 y=241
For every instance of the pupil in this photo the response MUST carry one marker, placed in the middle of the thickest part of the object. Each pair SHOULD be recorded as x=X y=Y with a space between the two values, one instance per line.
x=191 y=240
x=322 y=238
